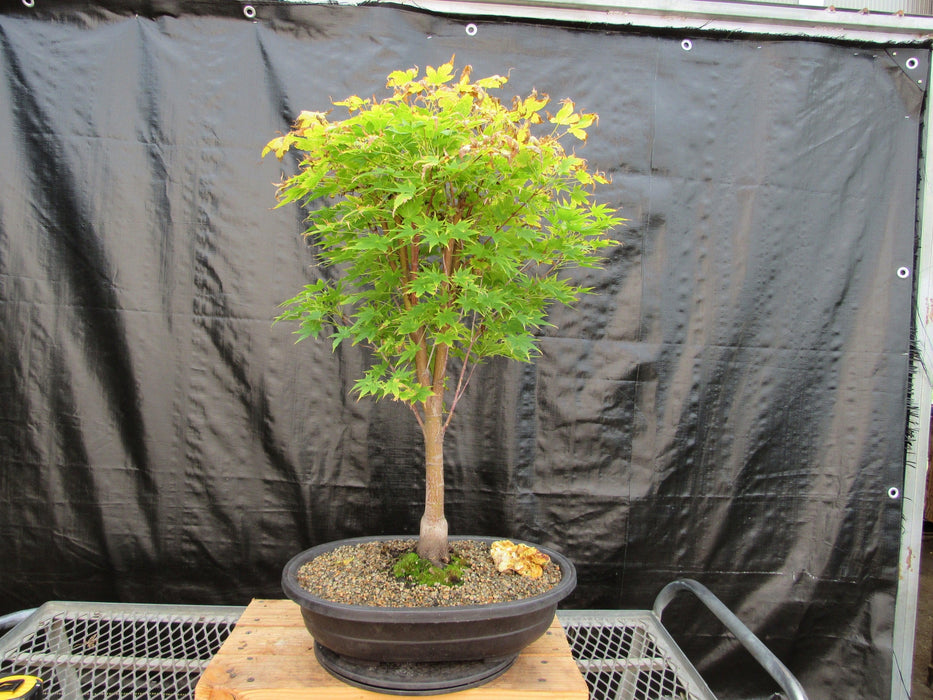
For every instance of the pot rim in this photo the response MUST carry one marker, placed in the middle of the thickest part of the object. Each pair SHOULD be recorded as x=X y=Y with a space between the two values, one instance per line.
x=454 y=613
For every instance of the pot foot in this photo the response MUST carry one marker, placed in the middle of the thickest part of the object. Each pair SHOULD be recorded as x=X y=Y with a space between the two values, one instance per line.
x=418 y=678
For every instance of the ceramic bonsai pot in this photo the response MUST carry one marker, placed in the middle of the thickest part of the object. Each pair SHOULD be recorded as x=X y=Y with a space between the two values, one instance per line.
x=474 y=643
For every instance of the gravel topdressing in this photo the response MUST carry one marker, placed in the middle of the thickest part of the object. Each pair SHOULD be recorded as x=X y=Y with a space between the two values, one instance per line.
x=361 y=574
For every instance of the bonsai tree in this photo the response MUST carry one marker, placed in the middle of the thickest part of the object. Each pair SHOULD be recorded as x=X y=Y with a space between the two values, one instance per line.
x=446 y=218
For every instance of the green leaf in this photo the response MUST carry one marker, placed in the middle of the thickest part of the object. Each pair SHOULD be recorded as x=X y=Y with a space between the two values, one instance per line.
x=402 y=198
x=446 y=317
x=343 y=333
x=428 y=282
x=374 y=242
x=441 y=218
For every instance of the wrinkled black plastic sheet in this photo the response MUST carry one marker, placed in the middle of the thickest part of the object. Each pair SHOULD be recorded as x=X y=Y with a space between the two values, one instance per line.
x=731 y=406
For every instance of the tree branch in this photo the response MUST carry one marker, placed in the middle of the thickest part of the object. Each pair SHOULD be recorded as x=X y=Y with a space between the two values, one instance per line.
x=440 y=368
x=463 y=379
x=418 y=417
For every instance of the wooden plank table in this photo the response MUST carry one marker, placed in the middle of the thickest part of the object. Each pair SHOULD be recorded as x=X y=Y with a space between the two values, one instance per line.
x=269 y=655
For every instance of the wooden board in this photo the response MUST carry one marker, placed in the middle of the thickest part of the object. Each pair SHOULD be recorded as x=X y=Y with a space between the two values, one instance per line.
x=270 y=656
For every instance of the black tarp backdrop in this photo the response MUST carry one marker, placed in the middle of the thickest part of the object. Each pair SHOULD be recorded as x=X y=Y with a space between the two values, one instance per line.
x=731 y=406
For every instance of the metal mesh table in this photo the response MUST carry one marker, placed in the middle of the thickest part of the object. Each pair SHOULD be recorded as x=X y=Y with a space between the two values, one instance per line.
x=112 y=650
x=115 y=650
x=95 y=650
x=628 y=655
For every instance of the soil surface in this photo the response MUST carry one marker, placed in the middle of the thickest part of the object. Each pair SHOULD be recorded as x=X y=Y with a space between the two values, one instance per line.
x=361 y=574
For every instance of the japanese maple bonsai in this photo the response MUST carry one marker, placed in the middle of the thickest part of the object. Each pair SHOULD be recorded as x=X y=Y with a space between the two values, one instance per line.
x=447 y=218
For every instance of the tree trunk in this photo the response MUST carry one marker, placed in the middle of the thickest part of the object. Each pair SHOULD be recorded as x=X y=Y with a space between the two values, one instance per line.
x=432 y=541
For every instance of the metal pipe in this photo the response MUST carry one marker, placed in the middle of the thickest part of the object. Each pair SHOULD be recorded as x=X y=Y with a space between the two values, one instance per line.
x=762 y=654
x=111 y=663
x=12 y=619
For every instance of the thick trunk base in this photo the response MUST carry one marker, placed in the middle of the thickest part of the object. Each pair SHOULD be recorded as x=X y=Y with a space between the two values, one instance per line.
x=432 y=540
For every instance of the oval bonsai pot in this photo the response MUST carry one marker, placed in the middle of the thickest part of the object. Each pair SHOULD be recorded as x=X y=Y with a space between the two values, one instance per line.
x=426 y=634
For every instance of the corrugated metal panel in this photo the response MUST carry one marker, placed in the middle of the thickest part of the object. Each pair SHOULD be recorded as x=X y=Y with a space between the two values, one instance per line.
x=909 y=7
x=921 y=8
x=786 y=20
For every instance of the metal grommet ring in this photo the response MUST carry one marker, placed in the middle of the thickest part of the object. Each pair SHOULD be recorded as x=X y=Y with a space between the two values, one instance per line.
x=894 y=492
x=911 y=63
x=903 y=272
x=471 y=29
x=249 y=11
x=29 y=3
x=686 y=44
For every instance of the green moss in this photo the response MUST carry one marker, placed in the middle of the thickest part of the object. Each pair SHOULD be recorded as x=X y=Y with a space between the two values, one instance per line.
x=421 y=571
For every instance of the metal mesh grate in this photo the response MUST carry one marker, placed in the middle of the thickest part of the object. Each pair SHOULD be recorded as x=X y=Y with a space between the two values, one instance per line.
x=628 y=655
x=87 y=650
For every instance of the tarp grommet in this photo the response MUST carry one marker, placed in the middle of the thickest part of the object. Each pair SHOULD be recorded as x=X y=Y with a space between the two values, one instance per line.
x=29 y=3
x=471 y=29
x=686 y=44
x=894 y=493
x=903 y=272
x=249 y=11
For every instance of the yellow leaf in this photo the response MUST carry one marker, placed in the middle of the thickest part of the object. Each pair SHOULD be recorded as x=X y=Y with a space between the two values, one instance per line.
x=579 y=133
x=563 y=114
x=401 y=77
x=352 y=103
x=493 y=81
x=308 y=119
x=533 y=103
x=441 y=74
x=279 y=145
x=465 y=74
x=586 y=120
